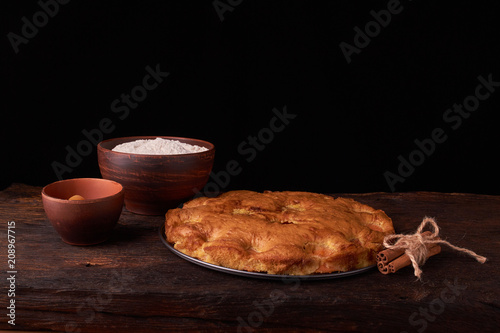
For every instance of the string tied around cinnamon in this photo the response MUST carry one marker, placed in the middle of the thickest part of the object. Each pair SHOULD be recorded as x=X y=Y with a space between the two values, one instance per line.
x=416 y=245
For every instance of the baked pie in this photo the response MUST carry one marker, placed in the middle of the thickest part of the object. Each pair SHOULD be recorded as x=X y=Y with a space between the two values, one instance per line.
x=293 y=233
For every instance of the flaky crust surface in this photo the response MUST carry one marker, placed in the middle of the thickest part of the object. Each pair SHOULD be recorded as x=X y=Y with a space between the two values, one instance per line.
x=294 y=233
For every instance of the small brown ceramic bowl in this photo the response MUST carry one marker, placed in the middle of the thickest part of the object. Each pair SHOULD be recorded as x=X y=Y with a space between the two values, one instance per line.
x=83 y=222
x=155 y=183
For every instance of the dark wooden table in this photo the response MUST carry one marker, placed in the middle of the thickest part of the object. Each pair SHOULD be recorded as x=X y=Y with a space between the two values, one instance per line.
x=133 y=282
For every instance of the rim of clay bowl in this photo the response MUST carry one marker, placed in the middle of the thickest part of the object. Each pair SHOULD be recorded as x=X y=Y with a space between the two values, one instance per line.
x=85 y=201
x=152 y=137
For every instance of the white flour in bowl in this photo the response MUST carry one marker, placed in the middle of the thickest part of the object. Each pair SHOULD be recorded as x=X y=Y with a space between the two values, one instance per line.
x=158 y=146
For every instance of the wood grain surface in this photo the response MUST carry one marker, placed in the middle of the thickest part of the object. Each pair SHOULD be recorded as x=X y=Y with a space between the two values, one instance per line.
x=132 y=282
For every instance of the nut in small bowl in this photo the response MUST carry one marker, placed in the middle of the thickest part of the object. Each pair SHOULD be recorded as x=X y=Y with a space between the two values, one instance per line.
x=83 y=211
x=156 y=183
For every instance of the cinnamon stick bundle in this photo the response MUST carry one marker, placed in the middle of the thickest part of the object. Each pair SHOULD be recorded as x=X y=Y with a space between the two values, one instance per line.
x=415 y=249
x=389 y=255
x=392 y=260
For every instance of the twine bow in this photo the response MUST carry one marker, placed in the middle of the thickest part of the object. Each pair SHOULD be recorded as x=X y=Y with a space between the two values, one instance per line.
x=414 y=245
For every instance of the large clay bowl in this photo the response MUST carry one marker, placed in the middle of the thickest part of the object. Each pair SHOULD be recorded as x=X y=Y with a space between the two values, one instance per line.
x=155 y=183
x=83 y=222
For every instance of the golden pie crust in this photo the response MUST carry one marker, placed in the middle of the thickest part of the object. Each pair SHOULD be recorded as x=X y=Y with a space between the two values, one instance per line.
x=293 y=233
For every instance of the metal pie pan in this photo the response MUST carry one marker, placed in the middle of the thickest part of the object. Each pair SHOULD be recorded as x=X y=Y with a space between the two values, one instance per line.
x=312 y=277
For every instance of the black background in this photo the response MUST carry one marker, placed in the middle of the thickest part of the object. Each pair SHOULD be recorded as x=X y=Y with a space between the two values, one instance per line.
x=352 y=120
